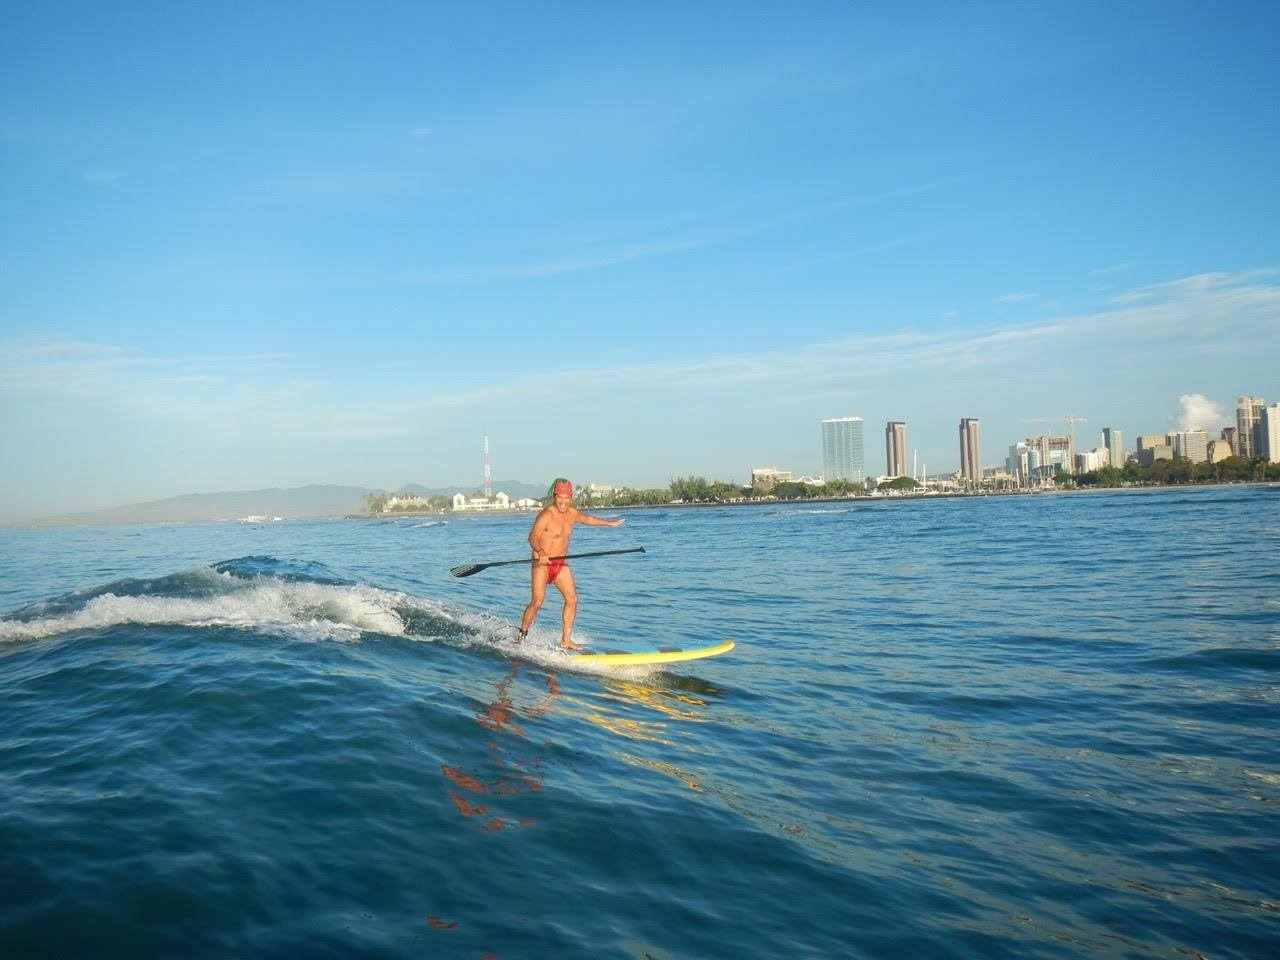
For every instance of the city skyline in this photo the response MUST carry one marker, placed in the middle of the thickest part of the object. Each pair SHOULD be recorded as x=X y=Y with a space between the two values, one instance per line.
x=249 y=249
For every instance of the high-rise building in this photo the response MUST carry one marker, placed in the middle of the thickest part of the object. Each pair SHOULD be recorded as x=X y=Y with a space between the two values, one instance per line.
x=1229 y=434
x=1020 y=463
x=1150 y=441
x=1191 y=445
x=895 y=449
x=1091 y=460
x=1114 y=443
x=1150 y=454
x=970 y=450
x=1269 y=433
x=1248 y=417
x=1219 y=450
x=1051 y=455
x=842 y=449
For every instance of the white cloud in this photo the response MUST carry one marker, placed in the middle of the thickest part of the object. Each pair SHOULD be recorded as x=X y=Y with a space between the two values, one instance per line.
x=1201 y=413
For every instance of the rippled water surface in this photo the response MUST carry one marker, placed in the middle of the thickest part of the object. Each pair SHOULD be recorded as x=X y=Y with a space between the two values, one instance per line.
x=1014 y=727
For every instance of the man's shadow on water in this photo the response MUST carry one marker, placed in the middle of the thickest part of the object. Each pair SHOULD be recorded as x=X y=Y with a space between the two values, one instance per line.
x=516 y=766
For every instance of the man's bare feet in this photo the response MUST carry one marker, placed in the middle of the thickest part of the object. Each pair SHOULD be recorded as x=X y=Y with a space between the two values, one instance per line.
x=570 y=645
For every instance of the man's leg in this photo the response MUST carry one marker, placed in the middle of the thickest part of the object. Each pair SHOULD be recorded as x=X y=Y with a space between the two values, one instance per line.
x=570 y=593
x=538 y=593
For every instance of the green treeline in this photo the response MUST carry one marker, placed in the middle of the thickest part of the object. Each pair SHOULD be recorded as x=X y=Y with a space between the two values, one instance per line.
x=377 y=502
x=701 y=490
x=1178 y=470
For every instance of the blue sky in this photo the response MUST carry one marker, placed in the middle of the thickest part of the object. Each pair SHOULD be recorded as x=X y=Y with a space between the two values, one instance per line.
x=275 y=244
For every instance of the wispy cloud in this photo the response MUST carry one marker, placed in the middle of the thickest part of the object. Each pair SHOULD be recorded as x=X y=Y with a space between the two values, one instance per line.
x=1112 y=270
x=859 y=251
x=550 y=268
x=1015 y=297
x=223 y=392
x=1194 y=285
x=82 y=368
x=1185 y=313
x=704 y=231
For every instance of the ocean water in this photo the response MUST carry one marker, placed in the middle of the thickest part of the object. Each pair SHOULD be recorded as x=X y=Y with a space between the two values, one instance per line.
x=1006 y=727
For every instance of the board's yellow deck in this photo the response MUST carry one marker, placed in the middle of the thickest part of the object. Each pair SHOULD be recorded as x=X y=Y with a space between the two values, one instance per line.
x=665 y=655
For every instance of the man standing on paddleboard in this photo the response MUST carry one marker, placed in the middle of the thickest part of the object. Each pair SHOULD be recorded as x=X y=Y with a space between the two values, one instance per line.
x=549 y=538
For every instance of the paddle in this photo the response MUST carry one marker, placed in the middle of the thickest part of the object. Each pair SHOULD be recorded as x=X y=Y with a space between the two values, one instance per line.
x=467 y=569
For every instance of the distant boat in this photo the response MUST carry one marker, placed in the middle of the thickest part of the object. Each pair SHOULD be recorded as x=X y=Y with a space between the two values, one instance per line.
x=261 y=518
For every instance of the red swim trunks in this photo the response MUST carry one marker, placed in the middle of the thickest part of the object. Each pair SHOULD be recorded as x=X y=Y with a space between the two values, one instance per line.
x=553 y=570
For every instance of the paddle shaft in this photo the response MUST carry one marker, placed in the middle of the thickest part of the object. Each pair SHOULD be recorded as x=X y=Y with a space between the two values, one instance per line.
x=468 y=569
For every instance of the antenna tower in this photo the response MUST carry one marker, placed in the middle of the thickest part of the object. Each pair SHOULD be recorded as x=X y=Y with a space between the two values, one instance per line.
x=488 y=470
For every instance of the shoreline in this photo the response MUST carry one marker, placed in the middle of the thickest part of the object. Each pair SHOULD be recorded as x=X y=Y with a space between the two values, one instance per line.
x=916 y=497
x=858 y=498
x=861 y=498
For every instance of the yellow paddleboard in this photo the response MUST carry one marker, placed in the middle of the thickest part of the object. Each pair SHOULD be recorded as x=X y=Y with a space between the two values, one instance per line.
x=639 y=656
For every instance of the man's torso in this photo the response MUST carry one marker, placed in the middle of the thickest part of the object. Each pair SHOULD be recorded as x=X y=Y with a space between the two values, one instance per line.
x=555 y=529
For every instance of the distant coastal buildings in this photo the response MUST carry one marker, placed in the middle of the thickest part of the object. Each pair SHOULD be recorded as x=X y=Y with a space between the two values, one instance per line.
x=405 y=501
x=1033 y=463
x=1113 y=441
x=766 y=477
x=842 y=452
x=970 y=450
x=1269 y=432
x=1248 y=418
x=895 y=449
x=499 y=501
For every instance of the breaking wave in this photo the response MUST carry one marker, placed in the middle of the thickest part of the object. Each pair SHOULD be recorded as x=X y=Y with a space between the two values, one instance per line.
x=294 y=599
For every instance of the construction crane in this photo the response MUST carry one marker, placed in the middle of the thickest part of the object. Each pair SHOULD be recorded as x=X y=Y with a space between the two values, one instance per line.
x=1070 y=420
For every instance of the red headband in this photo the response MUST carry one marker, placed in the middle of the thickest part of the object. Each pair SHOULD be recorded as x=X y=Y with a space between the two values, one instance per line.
x=563 y=487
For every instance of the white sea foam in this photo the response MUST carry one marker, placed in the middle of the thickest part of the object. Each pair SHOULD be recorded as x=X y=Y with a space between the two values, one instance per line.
x=313 y=610
x=816 y=511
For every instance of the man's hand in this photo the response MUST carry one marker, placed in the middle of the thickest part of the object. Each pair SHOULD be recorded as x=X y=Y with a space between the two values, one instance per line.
x=618 y=523
x=542 y=559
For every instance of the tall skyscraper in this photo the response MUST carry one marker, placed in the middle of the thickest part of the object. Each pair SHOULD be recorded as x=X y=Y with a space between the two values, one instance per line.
x=842 y=449
x=895 y=449
x=1114 y=443
x=1248 y=416
x=970 y=451
x=1269 y=433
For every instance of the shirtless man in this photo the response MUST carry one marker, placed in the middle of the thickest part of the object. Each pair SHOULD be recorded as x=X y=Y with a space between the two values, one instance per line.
x=549 y=538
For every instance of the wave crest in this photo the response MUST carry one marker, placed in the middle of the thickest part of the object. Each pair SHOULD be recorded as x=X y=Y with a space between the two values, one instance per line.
x=252 y=593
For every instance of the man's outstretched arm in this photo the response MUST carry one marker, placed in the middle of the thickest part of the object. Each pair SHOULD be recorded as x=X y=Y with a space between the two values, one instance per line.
x=591 y=521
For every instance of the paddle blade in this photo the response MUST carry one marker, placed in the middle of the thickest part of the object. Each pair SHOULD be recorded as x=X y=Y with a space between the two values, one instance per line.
x=467 y=569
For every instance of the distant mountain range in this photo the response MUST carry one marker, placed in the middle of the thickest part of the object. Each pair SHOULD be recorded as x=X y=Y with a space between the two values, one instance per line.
x=291 y=504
